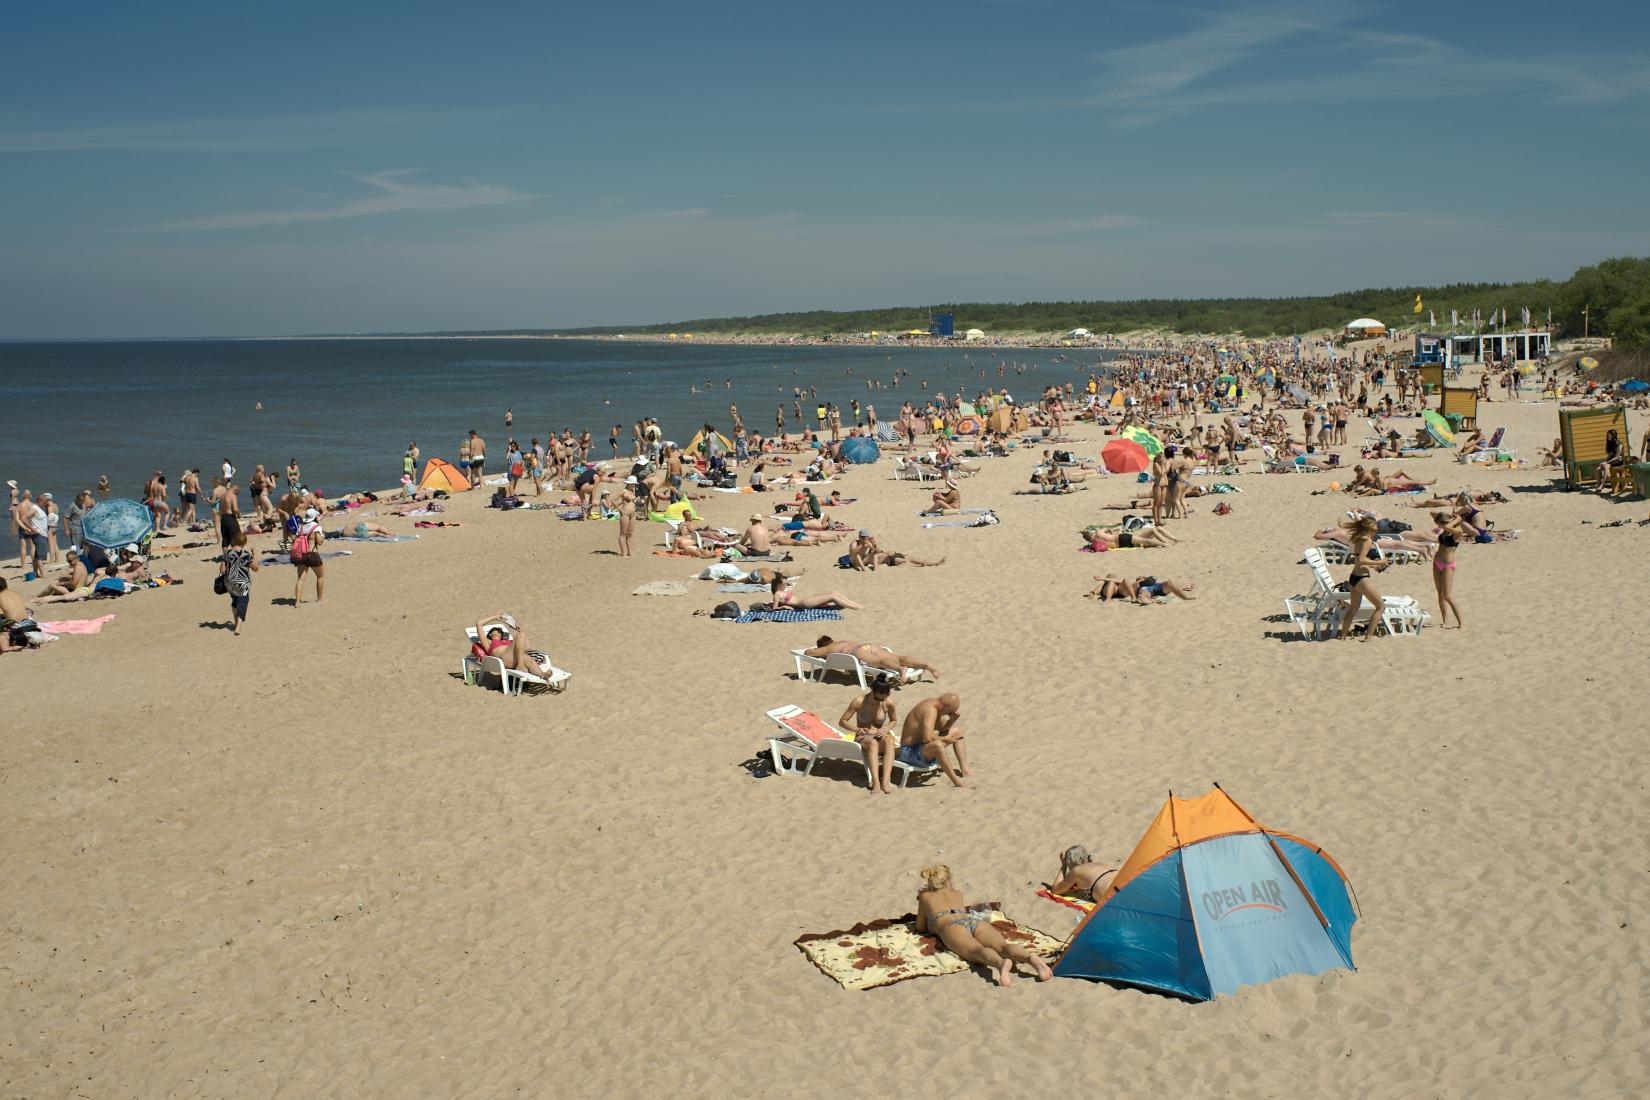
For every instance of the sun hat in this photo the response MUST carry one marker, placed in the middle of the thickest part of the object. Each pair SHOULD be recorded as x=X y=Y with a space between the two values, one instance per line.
x=864 y=534
x=310 y=513
x=631 y=480
x=756 y=517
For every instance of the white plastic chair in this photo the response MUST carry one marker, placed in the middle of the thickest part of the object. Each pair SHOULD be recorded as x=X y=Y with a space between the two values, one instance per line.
x=512 y=681
x=815 y=668
x=809 y=739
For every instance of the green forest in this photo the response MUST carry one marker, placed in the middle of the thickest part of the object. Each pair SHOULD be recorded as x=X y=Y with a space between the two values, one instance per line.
x=1615 y=294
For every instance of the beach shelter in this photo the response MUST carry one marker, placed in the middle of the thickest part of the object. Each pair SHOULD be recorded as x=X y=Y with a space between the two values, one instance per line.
x=1365 y=326
x=1440 y=427
x=1152 y=444
x=696 y=444
x=119 y=522
x=1581 y=432
x=974 y=334
x=441 y=474
x=860 y=449
x=968 y=425
x=1210 y=901
x=1125 y=456
x=887 y=433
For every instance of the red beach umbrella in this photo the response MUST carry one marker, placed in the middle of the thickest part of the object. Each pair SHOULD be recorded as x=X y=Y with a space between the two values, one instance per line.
x=1124 y=456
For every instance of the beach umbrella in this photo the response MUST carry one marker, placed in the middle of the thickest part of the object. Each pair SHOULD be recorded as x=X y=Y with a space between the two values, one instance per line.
x=1150 y=442
x=116 y=523
x=1440 y=426
x=969 y=425
x=860 y=449
x=1588 y=362
x=1125 y=456
x=1635 y=386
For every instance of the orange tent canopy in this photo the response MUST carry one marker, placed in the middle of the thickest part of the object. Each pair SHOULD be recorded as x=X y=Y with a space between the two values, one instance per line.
x=441 y=474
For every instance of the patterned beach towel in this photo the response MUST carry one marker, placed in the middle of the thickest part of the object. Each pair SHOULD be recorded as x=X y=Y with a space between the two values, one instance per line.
x=788 y=615
x=1082 y=905
x=883 y=952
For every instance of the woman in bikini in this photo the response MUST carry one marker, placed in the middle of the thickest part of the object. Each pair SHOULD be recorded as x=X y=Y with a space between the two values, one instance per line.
x=1360 y=532
x=968 y=932
x=1451 y=530
x=1144 y=538
x=501 y=636
x=1081 y=877
x=781 y=597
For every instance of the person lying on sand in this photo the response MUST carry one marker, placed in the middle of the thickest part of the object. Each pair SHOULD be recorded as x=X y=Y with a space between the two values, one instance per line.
x=872 y=656
x=16 y=622
x=362 y=530
x=505 y=640
x=1146 y=537
x=1080 y=876
x=1111 y=587
x=930 y=726
x=870 y=718
x=864 y=553
x=1147 y=589
x=781 y=597
x=1490 y=496
x=967 y=932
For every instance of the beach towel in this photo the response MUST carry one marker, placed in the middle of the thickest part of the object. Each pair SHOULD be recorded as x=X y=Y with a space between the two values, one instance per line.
x=742 y=587
x=1071 y=901
x=661 y=588
x=789 y=615
x=328 y=556
x=372 y=538
x=959 y=511
x=883 y=952
x=987 y=520
x=75 y=626
x=443 y=523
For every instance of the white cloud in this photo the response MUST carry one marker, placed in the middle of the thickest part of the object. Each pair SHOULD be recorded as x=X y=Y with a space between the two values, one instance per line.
x=270 y=133
x=393 y=194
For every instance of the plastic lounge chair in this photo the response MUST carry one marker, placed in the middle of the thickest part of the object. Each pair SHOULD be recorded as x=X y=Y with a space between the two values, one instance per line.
x=1399 y=614
x=808 y=739
x=816 y=667
x=512 y=681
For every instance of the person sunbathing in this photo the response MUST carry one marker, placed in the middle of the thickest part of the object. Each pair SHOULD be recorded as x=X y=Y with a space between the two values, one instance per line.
x=946 y=499
x=685 y=545
x=1147 y=589
x=1553 y=456
x=1080 y=876
x=16 y=620
x=781 y=597
x=967 y=931
x=505 y=640
x=1412 y=541
x=72 y=580
x=864 y=553
x=879 y=657
x=1480 y=496
x=361 y=530
x=929 y=728
x=1099 y=538
x=1111 y=587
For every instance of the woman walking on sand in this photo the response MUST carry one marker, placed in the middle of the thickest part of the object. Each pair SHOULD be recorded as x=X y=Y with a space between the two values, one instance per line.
x=306 y=555
x=238 y=565
x=1451 y=530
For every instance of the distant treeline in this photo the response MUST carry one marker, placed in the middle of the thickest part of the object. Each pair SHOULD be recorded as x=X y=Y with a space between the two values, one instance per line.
x=1615 y=295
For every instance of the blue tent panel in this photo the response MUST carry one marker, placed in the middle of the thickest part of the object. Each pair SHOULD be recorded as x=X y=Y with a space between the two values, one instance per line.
x=861 y=449
x=1253 y=922
x=1327 y=888
x=1143 y=936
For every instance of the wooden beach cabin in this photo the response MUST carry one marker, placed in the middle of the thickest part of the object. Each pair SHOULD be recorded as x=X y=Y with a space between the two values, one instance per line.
x=1460 y=401
x=1432 y=376
x=1582 y=433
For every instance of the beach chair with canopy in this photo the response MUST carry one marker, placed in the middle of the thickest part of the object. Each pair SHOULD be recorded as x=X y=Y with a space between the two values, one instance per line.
x=808 y=739
x=1460 y=402
x=512 y=681
x=1583 y=432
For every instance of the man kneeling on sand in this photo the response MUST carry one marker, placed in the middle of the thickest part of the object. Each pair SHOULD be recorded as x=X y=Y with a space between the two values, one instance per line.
x=929 y=728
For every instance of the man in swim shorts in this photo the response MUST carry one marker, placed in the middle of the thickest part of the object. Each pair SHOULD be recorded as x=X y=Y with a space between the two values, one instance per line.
x=478 y=457
x=930 y=726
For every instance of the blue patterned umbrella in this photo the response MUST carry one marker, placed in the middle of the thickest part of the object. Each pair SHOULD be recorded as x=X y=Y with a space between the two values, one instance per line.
x=116 y=523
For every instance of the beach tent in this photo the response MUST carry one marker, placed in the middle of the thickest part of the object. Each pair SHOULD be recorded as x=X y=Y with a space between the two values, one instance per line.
x=974 y=334
x=696 y=445
x=861 y=449
x=1365 y=326
x=1116 y=401
x=441 y=474
x=1210 y=901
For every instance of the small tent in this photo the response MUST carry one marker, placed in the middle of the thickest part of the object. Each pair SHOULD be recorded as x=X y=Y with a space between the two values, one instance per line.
x=974 y=334
x=1210 y=901
x=697 y=444
x=1365 y=326
x=441 y=474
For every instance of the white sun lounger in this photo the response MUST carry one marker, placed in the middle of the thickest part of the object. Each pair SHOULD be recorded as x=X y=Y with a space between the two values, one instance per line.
x=816 y=667
x=808 y=739
x=512 y=681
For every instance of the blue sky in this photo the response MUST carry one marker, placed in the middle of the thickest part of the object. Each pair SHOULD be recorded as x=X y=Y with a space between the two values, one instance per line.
x=213 y=169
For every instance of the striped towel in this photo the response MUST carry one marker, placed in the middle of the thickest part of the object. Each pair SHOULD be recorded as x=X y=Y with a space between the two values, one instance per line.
x=788 y=615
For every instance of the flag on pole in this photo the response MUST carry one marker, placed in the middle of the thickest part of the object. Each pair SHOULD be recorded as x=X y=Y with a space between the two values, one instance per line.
x=1549 y=316
x=1454 y=318
x=1417 y=308
x=1432 y=320
x=1526 y=316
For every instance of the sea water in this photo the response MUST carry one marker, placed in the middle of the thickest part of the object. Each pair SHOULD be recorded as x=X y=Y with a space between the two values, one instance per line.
x=346 y=409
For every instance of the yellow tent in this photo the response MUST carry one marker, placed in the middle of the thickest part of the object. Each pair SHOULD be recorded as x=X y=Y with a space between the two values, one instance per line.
x=698 y=440
x=1116 y=397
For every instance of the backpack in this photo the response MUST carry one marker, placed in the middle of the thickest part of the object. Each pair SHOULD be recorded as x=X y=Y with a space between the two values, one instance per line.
x=300 y=544
x=728 y=610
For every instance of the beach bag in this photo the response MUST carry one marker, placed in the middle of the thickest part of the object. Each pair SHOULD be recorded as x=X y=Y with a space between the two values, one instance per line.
x=728 y=610
x=220 y=586
x=1223 y=509
x=300 y=545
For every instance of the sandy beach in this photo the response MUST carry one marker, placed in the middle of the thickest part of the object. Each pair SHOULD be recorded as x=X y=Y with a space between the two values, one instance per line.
x=311 y=861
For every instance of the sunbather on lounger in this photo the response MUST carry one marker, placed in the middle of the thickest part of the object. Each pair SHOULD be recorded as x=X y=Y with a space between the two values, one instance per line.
x=968 y=932
x=1080 y=876
x=872 y=656
x=1415 y=541
x=506 y=642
